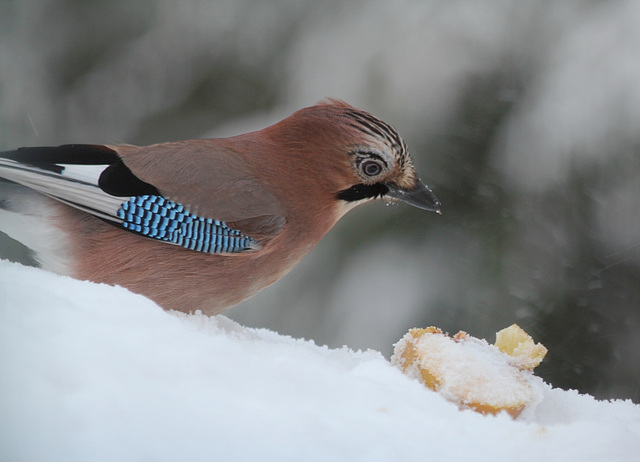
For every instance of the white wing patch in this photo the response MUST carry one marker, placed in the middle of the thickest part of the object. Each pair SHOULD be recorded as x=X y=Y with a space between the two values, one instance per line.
x=76 y=185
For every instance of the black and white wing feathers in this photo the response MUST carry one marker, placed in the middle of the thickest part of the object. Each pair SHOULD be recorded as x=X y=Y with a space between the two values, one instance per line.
x=94 y=179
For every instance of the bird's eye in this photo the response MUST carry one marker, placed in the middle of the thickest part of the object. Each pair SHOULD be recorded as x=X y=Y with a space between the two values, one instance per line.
x=370 y=167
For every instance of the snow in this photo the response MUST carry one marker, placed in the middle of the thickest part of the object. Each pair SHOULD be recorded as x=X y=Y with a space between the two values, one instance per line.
x=93 y=372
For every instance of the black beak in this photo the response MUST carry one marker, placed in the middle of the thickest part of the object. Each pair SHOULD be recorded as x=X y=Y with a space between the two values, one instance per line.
x=419 y=196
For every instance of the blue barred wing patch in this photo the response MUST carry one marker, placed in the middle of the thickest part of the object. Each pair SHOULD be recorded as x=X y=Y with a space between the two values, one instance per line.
x=160 y=218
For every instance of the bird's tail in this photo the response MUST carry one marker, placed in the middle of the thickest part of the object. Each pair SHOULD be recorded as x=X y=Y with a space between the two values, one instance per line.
x=29 y=217
x=65 y=173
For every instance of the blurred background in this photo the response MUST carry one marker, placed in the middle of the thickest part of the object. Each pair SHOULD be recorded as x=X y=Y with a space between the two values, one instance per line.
x=523 y=117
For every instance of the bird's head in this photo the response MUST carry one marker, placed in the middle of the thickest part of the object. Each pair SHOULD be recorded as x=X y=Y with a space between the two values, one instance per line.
x=356 y=156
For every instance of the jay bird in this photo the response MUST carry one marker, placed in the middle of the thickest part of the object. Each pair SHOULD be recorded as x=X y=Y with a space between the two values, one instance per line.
x=206 y=223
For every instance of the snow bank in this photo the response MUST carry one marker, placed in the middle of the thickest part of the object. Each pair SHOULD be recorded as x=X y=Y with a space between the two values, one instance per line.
x=93 y=372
